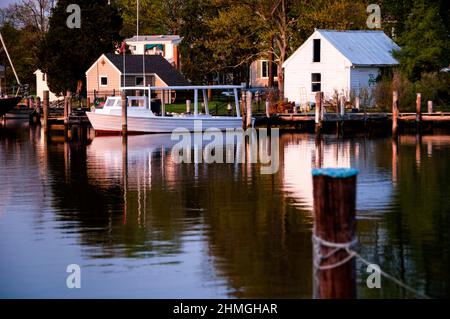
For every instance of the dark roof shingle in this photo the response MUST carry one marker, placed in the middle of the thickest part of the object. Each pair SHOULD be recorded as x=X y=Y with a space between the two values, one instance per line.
x=153 y=64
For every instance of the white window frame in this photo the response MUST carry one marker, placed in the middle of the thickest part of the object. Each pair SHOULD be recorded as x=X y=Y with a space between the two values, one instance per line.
x=100 y=80
x=316 y=82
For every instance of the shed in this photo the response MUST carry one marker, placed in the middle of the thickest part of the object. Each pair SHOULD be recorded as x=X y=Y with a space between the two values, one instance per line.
x=333 y=61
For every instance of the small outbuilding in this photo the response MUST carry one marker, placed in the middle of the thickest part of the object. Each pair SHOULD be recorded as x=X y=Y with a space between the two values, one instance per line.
x=333 y=61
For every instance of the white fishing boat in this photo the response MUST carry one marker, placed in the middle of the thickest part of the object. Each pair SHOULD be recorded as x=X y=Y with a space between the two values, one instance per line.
x=142 y=117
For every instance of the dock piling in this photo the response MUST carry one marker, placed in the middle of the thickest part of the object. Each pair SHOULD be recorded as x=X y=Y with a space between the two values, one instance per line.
x=124 y=114
x=394 y=113
x=45 y=105
x=188 y=106
x=318 y=111
x=249 y=109
x=334 y=227
x=430 y=107
x=418 y=108
x=66 y=107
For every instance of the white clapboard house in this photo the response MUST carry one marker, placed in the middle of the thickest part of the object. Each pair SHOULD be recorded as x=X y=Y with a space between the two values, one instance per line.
x=337 y=61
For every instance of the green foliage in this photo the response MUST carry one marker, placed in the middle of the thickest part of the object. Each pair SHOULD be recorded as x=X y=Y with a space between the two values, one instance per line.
x=65 y=54
x=425 y=43
x=21 y=46
x=435 y=87
x=233 y=45
x=327 y=14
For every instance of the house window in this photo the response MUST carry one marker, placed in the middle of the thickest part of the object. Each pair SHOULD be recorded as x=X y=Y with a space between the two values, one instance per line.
x=316 y=82
x=265 y=69
x=43 y=77
x=139 y=80
x=316 y=50
x=104 y=81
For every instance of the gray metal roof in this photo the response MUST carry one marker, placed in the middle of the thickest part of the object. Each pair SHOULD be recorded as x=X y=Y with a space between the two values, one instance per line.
x=155 y=38
x=363 y=47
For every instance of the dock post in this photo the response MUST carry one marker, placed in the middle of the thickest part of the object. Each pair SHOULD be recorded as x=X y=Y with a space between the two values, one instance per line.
x=318 y=112
x=394 y=113
x=249 y=109
x=163 y=103
x=430 y=107
x=124 y=114
x=334 y=225
x=267 y=107
x=418 y=108
x=66 y=107
x=188 y=106
x=357 y=102
x=243 y=109
x=45 y=105
x=342 y=106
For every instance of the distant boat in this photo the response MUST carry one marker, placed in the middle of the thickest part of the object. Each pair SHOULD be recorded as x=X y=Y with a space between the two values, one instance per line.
x=147 y=119
x=8 y=103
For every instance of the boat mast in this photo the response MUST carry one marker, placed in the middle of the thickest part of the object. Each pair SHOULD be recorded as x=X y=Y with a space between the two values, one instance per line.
x=10 y=62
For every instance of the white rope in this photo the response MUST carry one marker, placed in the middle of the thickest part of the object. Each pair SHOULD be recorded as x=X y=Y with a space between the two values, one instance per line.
x=318 y=258
x=393 y=279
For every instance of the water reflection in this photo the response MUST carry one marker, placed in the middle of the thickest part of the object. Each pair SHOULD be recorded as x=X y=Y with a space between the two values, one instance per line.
x=142 y=225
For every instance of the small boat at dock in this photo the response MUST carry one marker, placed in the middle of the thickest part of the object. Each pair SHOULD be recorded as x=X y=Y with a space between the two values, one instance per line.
x=148 y=118
x=8 y=103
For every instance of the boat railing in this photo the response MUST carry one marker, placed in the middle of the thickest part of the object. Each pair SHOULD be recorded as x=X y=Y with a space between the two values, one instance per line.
x=196 y=88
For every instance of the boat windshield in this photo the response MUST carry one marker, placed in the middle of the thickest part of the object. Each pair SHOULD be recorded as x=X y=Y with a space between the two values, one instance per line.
x=111 y=102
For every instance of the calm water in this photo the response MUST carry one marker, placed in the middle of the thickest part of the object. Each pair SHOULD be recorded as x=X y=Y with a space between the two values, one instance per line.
x=140 y=225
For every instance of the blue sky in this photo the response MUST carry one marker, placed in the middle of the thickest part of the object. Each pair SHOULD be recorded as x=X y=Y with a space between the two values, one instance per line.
x=4 y=3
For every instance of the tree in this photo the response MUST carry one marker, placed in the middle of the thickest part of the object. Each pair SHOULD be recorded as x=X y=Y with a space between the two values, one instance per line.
x=23 y=25
x=425 y=42
x=233 y=45
x=65 y=54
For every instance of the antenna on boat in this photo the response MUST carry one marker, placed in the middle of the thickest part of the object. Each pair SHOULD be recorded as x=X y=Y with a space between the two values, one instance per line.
x=137 y=39
x=10 y=62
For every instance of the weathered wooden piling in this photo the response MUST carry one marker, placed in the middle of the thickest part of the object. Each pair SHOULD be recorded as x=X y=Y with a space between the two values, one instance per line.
x=318 y=111
x=419 y=108
x=334 y=231
x=430 y=107
x=342 y=106
x=188 y=106
x=268 y=107
x=243 y=110
x=163 y=102
x=249 y=109
x=394 y=113
x=66 y=107
x=124 y=114
x=45 y=106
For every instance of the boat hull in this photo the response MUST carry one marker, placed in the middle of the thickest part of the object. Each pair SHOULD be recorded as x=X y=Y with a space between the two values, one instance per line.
x=113 y=123
x=7 y=104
